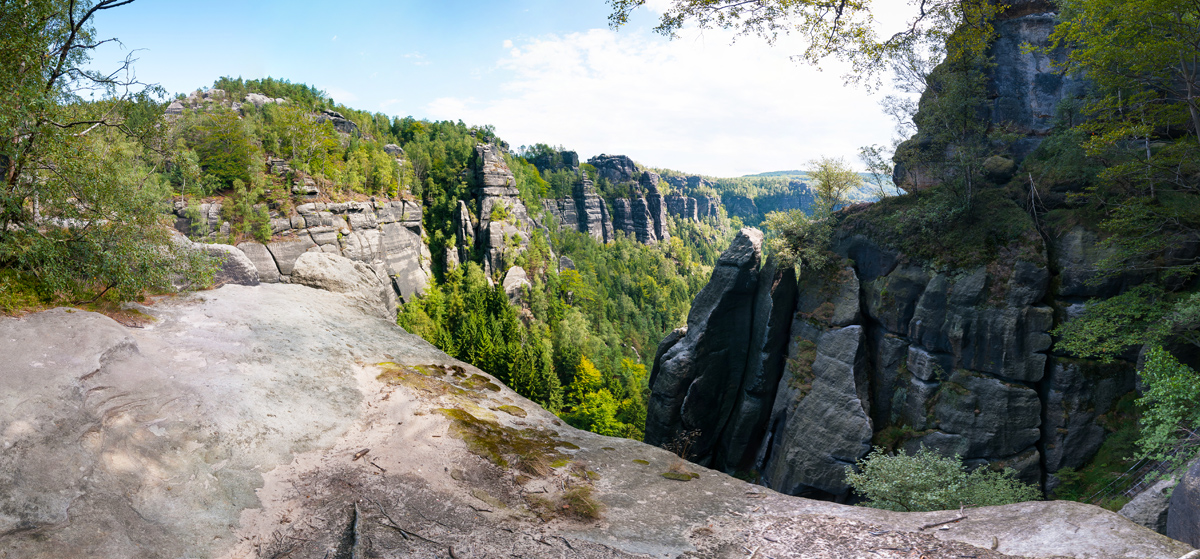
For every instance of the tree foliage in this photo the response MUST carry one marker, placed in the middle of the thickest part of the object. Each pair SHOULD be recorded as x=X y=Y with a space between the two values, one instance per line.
x=927 y=481
x=845 y=29
x=1171 y=403
x=80 y=178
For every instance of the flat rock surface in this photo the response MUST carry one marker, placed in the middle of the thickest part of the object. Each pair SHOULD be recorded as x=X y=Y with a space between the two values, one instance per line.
x=283 y=421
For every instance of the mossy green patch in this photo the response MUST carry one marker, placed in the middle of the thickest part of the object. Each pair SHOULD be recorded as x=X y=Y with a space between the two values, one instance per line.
x=531 y=449
x=512 y=410
x=932 y=226
x=677 y=476
x=642 y=462
x=479 y=382
x=560 y=463
x=418 y=378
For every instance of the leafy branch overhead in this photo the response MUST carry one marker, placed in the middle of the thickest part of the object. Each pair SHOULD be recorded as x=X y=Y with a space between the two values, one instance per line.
x=844 y=29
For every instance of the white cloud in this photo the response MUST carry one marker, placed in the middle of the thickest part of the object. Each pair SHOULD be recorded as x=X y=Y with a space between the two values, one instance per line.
x=388 y=102
x=334 y=38
x=340 y=95
x=508 y=44
x=696 y=104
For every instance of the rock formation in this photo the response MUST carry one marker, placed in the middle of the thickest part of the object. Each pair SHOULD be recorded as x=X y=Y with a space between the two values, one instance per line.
x=956 y=360
x=340 y=123
x=384 y=235
x=1183 y=516
x=286 y=421
x=1025 y=86
x=503 y=218
x=697 y=376
x=615 y=169
x=585 y=211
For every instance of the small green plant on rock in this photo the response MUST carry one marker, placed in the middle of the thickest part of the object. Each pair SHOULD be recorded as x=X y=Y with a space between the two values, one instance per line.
x=927 y=481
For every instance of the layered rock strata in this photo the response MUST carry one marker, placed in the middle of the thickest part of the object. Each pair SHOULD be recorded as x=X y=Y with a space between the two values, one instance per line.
x=385 y=235
x=504 y=226
x=585 y=211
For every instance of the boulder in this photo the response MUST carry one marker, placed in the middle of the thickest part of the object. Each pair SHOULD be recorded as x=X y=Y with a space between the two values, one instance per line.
x=263 y=262
x=1183 y=514
x=236 y=267
x=285 y=253
x=565 y=263
x=515 y=280
x=1149 y=508
x=696 y=381
x=355 y=280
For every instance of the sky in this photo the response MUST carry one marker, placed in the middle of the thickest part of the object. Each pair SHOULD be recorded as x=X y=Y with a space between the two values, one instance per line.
x=540 y=71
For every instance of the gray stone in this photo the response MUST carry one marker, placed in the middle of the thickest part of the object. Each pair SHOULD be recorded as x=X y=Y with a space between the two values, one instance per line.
x=821 y=421
x=696 y=381
x=402 y=254
x=353 y=279
x=565 y=263
x=615 y=169
x=997 y=418
x=515 y=281
x=1075 y=394
x=263 y=262
x=265 y=393
x=929 y=367
x=286 y=252
x=1149 y=508
x=236 y=267
x=1183 y=516
x=774 y=304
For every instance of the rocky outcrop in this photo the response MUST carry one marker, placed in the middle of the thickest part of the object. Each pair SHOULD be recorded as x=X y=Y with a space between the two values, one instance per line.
x=615 y=169
x=337 y=274
x=643 y=215
x=739 y=206
x=1149 y=508
x=655 y=206
x=1183 y=516
x=503 y=218
x=591 y=211
x=954 y=360
x=281 y=420
x=696 y=378
x=387 y=236
x=1024 y=88
x=515 y=280
x=340 y=123
x=1025 y=85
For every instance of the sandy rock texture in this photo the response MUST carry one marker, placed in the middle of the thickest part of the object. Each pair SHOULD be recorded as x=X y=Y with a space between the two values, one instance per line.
x=285 y=421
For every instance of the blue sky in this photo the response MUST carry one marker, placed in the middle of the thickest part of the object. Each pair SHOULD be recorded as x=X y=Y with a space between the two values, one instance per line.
x=539 y=70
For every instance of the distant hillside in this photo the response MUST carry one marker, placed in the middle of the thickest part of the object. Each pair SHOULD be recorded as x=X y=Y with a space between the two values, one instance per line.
x=793 y=173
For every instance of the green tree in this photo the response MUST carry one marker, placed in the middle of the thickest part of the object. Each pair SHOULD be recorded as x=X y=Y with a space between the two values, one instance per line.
x=927 y=481
x=1143 y=59
x=844 y=29
x=833 y=181
x=225 y=147
x=1171 y=403
x=81 y=203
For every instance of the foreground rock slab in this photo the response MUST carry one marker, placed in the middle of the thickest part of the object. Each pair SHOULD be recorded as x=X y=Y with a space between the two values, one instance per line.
x=286 y=421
